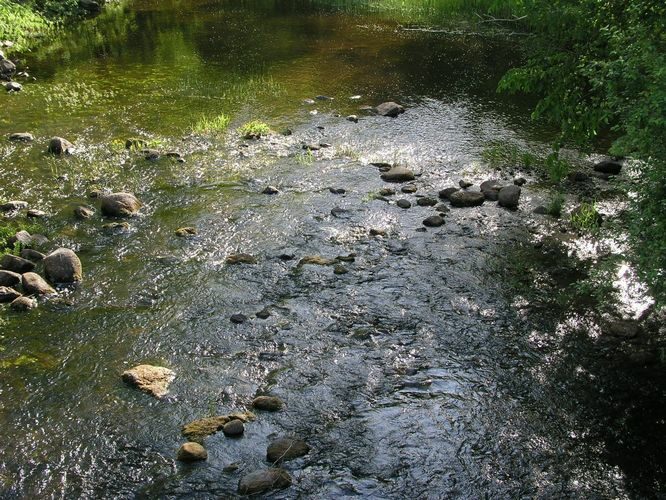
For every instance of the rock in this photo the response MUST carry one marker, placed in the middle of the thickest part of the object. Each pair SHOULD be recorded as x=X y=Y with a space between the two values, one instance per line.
x=610 y=167
x=240 y=258
x=267 y=403
x=461 y=199
x=63 y=266
x=352 y=118
x=316 y=260
x=337 y=190
x=386 y=192
x=284 y=449
x=309 y=102
x=323 y=98
x=7 y=67
x=540 y=210
x=21 y=237
x=185 y=232
x=120 y=204
x=464 y=184
x=625 y=329
x=84 y=212
x=519 y=181
x=346 y=258
x=509 y=196
x=577 y=176
x=340 y=269
x=264 y=313
x=409 y=189
x=238 y=318
x=60 y=146
x=35 y=214
x=33 y=255
x=426 y=202
x=446 y=193
x=402 y=203
x=38 y=240
x=90 y=6
x=398 y=174
x=8 y=294
x=113 y=227
x=232 y=467
x=34 y=284
x=442 y=208
x=134 y=143
x=16 y=264
x=21 y=137
x=270 y=190
x=234 y=428
x=154 y=380
x=262 y=481
x=151 y=154
x=339 y=213
x=13 y=205
x=311 y=147
x=377 y=232
x=191 y=452
x=389 y=109
x=203 y=427
x=23 y=304
x=490 y=189
x=434 y=221
x=13 y=87
x=9 y=278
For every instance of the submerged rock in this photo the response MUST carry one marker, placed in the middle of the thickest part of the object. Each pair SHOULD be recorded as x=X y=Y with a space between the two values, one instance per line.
x=234 y=428
x=284 y=449
x=186 y=232
x=398 y=174
x=520 y=181
x=446 y=193
x=426 y=202
x=238 y=318
x=340 y=269
x=83 y=212
x=262 y=481
x=434 y=221
x=462 y=199
x=490 y=189
x=464 y=184
x=8 y=294
x=154 y=380
x=409 y=189
x=270 y=190
x=116 y=227
x=34 y=284
x=33 y=213
x=23 y=304
x=267 y=403
x=9 y=278
x=120 y=204
x=264 y=313
x=391 y=109
x=316 y=260
x=240 y=258
x=509 y=196
x=11 y=206
x=16 y=264
x=402 y=203
x=63 y=266
x=191 y=452
x=60 y=146
x=386 y=192
x=21 y=137
x=197 y=430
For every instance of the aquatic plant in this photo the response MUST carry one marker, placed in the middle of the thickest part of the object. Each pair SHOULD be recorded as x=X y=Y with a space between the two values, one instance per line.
x=585 y=218
x=507 y=154
x=211 y=124
x=254 y=129
x=305 y=158
x=555 y=204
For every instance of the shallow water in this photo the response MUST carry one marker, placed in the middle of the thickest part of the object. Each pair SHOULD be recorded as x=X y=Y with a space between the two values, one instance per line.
x=420 y=373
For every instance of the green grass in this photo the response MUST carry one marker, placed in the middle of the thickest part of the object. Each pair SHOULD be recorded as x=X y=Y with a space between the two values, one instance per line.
x=21 y=25
x=499 y=154
x=555 y=204
x=254 y=129
x=9 y=229
x=585 y=218
x=211 y=124
x=305 y=158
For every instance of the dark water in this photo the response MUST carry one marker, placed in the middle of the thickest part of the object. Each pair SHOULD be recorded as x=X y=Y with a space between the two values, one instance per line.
x=424 y=372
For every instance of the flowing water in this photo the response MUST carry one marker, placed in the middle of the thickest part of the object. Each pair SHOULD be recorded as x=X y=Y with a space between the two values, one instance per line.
x=420 y=373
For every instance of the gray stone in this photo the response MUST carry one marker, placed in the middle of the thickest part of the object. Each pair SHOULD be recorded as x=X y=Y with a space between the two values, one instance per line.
x=23 y=304
x=490 y=189
x=284 y=449
x=434 y=221
x=446 y=193
x=60 y=146
x=520 y=181
x=403 y=203
x=235 y=428
x=352 y=118
x=83 y=212
x=16 y=264
x=191 y=452
x=426 y=202
x=154 y=380
x=63 y=266
x=610 y=167
x=22 y=237
x=410 y=189
x=464 y=184
x=8 y=294
x=34 y=284
x=461 y=199
x=13 y=87
x=270 y=190
x=238 y=318
x=398 y=174
x=262 y=481
x=9 y=278
x=11 y=206
x=509 y=196
x=120 y=205
x=391 y=109
x=33 y=255
x=33 y=213
x=21 y=137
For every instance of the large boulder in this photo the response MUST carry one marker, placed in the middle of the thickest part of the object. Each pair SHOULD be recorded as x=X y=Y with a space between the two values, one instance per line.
x=491 y=188
x=34 y=284
x=21 y=137
x=23 y=304
x=120 y=204
x=60 y=146
x=446 y=193
x=13 y=205
x=461 y=199
x=9 y=278
x=262 y=481
x=8 y=294
x=7 y=68
x=192 y=452
x=391 y=109
x=509 y=196
x=286 y=448
x=16 y=264
x=154 y=380
x=610 y=167
x=398 y=174
x=63 y=266
x=267 y=403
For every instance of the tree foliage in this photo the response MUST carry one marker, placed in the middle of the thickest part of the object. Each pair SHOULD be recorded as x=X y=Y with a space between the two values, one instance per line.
x=599 y=67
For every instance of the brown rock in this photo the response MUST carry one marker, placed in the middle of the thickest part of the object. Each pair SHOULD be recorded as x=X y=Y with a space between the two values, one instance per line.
x=199 y=429
x=23 y=304
x=16 y=264
x=192 y=452
x=34 y=284
x=241 y=258
x=9 y=278
x=154 y=380
x=120 y=204
x=284 y=449
x=267 y=403
x=233 y=428
x=8 y=294
x=262 y=481
x=63 y=266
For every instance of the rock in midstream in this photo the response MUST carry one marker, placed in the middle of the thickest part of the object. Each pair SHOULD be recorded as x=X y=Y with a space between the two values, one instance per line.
x=286 y=448
x=120 y=204
x=262 y=481
x=8 y=294
x=34 y=284
x=461 y=199
x=426 y=201
x=59 y=146
x=446 y=193
x=84 y=212
x=23 y=304
x=9 y=278
x=16 y=264
x=491 y=188
x=434 y=221
x=21 y=137
x=398 y=174
x=32 y=255
x=197 y=430
x=154 y=380
x=240 y=258
x=611 y=167
x=509 y=196
x=13 y=205
x=63 y=266
x=391 y=109
x=267 y=403
x=191 y=452
x=234 y=428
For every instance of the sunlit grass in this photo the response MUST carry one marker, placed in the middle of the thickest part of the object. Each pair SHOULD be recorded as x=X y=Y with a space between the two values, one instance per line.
x=211 y=124
x=21 y=25
x=254 y=129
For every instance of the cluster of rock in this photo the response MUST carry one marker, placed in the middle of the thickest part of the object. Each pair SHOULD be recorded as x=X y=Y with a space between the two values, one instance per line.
x=7 y=72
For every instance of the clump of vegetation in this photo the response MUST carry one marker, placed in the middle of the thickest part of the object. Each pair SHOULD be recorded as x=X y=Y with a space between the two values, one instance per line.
x=557 y=167
x=9 y=229
x=555 y=204
x=211 y=124
x=305 y=158
x=507 y=154
x=254 y=129
x=21 y=24
x=586 y=218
